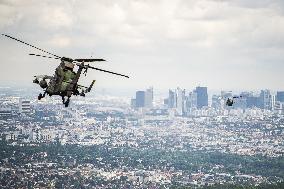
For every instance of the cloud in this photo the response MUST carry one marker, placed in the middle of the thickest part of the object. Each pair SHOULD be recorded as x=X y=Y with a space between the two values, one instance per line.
x=56 y=18
x=60 y=41
x=8 y=15
x=185 y=40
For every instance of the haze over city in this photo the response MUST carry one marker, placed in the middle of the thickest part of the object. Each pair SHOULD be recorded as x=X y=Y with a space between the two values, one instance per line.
x=203 y=107
x=235 y=45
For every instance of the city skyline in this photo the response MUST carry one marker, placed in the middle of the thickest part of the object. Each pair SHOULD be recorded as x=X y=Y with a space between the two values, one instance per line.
x=233 y=44
x=99 y=142
x=105 y=142
x=203 y=106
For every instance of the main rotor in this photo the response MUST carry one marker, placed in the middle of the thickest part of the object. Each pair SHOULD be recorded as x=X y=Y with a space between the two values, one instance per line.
x=77 y=61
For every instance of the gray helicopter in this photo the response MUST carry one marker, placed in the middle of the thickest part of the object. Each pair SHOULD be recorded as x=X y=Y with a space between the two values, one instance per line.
x=65 y=80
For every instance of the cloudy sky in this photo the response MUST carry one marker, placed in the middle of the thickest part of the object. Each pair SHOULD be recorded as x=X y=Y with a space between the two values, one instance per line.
x=222 y=44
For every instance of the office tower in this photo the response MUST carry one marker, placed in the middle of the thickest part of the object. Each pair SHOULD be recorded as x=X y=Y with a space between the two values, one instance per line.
x=149 y=98
x=202 y=97
x=273 y=101
x=140 y=99
x=264 y=100
x=172 y=100
x=180 y=101
x=184 y=108
x=191 y=100
x=24 y=106
x=280 y=96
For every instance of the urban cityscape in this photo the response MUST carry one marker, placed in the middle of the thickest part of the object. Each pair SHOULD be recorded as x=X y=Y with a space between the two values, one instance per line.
x=142 y=94
x=187 y=139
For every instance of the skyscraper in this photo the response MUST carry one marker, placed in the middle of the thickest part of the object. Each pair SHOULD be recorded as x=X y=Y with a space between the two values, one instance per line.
x=172 y=101
x=140 y=99
x=149 y=97
x=180 y=101
x=264 y=100
x=273 y=101
x=190 y=102
x=280 y=96
x=202 y=96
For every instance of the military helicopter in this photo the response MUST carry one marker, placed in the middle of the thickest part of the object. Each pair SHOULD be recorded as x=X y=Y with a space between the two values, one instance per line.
x=230 y=101
x=64 y=82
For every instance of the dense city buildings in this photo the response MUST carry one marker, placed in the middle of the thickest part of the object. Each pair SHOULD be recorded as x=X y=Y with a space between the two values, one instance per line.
x=110 y=142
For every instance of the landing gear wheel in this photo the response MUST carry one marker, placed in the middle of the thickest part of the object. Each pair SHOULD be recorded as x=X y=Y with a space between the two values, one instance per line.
x=67 y=103
x=40 y=96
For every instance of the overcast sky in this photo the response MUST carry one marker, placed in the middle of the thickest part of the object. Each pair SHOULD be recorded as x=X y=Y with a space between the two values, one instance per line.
x=222 y=44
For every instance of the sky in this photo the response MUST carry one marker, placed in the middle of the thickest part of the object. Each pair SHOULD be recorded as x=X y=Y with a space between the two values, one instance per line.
x=221 y=44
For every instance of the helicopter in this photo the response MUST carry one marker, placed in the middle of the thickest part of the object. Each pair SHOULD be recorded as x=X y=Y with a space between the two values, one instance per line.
x=65 y=80
x=230 y=102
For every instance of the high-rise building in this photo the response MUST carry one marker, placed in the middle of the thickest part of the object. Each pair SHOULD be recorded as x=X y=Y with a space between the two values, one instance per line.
x=264 y=100
x=273 y=101
x=24 y=106
x=280 y=96
x=140 y=99
x=184 y=108
x=180 y=101
x=143 y=99
x=149 y=96
x=202 y=96
x=191 y=100
x=172 y=100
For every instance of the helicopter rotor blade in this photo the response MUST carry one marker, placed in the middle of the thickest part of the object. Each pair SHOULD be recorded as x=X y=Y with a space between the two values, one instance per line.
x=107 y=71
x=89 y=59
x=30 y=45
x=39 y=55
